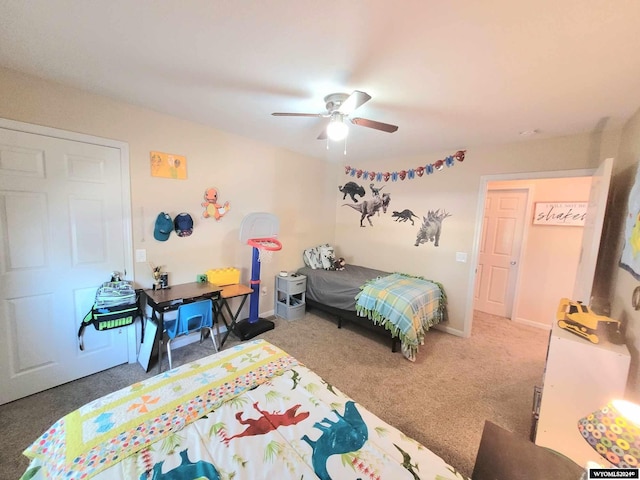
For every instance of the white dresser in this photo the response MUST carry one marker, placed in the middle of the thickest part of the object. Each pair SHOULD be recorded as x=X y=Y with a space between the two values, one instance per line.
x=580 y=377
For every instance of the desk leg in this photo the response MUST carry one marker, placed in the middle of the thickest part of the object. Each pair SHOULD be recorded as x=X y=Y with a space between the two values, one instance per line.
x=216 y=322
x=218 y=334
x=217 y=314
x=160 y=322
x=220 y=317
x=234 y=318
x=140 y=313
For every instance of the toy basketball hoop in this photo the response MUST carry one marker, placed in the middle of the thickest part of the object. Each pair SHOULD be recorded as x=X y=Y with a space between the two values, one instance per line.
x=258 y=230
x=266 y=247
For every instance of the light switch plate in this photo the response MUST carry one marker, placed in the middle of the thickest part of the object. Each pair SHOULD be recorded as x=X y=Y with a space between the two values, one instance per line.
x=141 y=255
x=461 y=257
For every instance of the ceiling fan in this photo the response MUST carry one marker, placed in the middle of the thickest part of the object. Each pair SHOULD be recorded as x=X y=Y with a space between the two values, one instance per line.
x=339 y=106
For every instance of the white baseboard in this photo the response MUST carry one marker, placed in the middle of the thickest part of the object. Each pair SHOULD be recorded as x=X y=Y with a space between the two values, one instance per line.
x=452 y=331
x=531 y=323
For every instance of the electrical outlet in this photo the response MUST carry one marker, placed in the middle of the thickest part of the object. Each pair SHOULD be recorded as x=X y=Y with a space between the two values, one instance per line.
x=141 y=255
x=263 y=290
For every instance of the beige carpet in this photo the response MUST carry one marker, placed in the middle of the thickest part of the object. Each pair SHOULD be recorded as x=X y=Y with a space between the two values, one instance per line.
x=441 y=400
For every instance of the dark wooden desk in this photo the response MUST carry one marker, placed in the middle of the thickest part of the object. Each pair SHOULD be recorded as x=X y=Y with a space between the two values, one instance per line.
x=228 y=292
x=168 y=299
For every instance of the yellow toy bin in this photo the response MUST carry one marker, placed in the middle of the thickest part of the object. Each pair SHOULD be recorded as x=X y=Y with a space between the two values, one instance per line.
x=223 y=276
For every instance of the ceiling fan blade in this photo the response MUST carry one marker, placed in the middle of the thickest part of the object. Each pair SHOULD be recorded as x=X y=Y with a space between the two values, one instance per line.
x=363 y=122
x=323 y=134
x=353 y=101
x=281 y=114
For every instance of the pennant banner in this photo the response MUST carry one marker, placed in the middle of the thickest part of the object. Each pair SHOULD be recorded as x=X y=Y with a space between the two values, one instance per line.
x=408 y=174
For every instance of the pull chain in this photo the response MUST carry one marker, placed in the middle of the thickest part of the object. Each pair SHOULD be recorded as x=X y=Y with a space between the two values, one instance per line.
x=345 y=146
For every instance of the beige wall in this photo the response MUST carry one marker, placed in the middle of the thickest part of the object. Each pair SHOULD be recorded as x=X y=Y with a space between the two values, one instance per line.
x=251 y=176
x=389 y=245
x=301 y=191
x=549 y=252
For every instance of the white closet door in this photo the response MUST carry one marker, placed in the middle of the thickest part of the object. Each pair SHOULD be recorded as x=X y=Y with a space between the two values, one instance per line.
x=61 y=235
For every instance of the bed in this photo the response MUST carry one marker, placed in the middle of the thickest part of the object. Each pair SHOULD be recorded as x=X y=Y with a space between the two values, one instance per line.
x=403 y=306
x=248 y=412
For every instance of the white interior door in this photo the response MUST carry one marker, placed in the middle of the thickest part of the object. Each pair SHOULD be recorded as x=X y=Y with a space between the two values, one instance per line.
x=594 y=221
x=499 y=251
x=61 y=235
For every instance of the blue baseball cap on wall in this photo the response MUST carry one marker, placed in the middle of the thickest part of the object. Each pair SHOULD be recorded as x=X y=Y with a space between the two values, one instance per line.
x=163 y=228
x=183 y=224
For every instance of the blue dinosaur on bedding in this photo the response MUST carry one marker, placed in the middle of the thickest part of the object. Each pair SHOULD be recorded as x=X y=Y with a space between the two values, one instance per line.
x=187 y=470
x=348 y=434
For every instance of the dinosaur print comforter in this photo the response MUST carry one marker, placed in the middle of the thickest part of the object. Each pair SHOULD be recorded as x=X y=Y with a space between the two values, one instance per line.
x=249 y=412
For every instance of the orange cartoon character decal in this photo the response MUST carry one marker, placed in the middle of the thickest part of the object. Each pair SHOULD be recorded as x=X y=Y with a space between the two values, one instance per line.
x=211 y=206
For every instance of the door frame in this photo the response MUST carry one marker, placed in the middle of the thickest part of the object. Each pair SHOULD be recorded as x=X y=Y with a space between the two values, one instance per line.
x=125 y=176
x=482 y=194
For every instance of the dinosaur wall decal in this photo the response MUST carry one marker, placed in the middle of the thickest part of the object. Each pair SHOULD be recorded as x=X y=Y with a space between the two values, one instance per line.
x=368 y=208
x=348 y=434
x=404 y=215
x=431 y=227
x=352 y=189
x=375 y=191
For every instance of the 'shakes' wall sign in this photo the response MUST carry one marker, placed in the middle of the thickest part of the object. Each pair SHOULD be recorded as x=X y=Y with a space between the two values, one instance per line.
x=569 y=213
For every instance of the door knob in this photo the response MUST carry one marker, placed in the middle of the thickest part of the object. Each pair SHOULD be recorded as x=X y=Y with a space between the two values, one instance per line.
x=513 y=262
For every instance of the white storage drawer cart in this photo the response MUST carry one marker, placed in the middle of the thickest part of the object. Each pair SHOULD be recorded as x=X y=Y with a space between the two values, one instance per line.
x=290 y=296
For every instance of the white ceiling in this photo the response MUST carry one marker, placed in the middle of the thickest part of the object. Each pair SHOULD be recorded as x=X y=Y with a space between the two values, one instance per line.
x=451 y=74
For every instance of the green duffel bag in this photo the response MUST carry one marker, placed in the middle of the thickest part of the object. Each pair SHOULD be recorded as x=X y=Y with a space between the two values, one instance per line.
x=107 y=318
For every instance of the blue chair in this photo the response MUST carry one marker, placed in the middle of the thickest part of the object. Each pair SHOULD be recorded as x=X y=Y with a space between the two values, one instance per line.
x=192 y=317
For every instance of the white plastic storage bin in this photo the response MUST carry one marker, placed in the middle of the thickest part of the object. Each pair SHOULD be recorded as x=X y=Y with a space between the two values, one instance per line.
x=290 y=293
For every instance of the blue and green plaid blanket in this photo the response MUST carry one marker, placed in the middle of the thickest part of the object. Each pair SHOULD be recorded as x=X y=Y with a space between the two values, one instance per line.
x=405 y=305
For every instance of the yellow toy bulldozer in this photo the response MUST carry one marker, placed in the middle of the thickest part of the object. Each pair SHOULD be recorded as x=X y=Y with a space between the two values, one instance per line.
x=580 y=319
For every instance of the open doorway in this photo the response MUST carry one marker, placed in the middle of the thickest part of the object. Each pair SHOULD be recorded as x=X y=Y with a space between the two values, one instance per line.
x=545 y=266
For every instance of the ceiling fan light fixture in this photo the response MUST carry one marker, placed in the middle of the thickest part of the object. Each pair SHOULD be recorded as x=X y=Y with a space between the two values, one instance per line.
x=339 y=107
x=337 y=130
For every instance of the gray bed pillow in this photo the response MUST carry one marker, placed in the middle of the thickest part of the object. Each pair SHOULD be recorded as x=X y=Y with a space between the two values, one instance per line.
x=323 y=256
